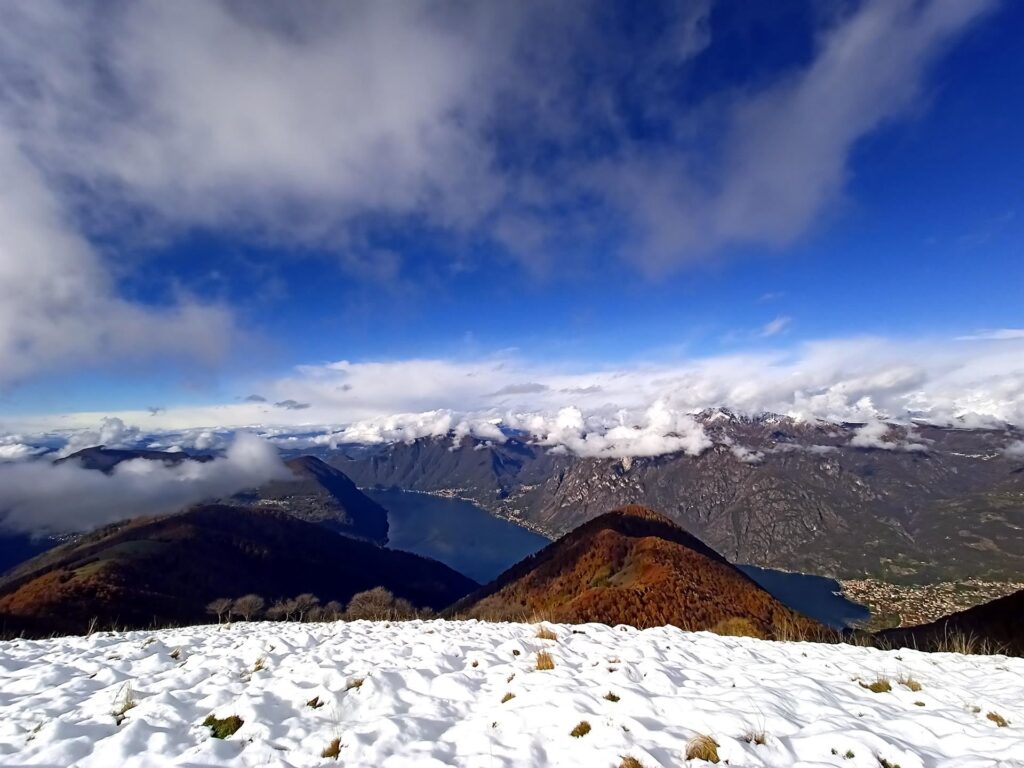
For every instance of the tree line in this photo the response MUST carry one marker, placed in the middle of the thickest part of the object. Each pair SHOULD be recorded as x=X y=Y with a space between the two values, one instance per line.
x=374 y=604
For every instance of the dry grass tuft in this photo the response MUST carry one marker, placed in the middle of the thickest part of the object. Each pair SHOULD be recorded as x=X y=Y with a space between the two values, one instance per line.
x=356 y=683
x=314 y=703
x=909 y=682
x=176 y=654
x=222 y=727
x=124 y=701
x=332 y=750
x=261 y=663
x=546 y=634
x=758 y=737
x=544 y=661
x=998 y=719
x=581 y=730
x=702 y=747
x=881 y=685
x=611 y=697
x=630 y=762
x=507 y=697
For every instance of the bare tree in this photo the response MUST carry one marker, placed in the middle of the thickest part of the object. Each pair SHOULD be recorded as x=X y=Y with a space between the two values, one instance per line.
x=305 y=603
x=373 y=604
x=248 y=606
x=220 y=608
x=333 y=611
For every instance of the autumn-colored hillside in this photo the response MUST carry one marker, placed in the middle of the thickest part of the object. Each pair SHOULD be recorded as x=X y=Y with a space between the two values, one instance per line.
x=165 y=570
x=633 y=566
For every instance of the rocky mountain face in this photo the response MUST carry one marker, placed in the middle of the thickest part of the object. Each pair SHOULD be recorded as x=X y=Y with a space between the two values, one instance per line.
x=922 y=504
x=633 y=566
x=164 y=570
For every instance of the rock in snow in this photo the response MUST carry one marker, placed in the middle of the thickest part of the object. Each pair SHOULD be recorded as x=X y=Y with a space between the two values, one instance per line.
x=431 y=694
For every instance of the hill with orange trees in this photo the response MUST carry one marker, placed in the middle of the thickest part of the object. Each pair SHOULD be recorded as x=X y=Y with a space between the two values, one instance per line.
x=165 y=570
x=993 y=627
x=633 y=566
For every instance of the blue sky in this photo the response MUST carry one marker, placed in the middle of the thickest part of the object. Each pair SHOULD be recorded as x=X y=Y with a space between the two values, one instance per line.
x=602 y=189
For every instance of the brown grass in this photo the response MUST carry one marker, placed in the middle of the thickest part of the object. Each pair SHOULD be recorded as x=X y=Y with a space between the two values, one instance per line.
x=758 y=737
x=880 y=685
x=507 y=697
x=630 y=762
x=611 y=697
x=998 y=719
x=702 y=747
x=546 y=634
x=544 y=661
x=356 y=683
x=314 y=703
x=909 y=682
x=581 y=730
x=738 y=626
x=332 y=750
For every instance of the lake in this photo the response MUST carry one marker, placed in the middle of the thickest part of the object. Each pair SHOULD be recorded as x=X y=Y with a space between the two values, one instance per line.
x=472 y=541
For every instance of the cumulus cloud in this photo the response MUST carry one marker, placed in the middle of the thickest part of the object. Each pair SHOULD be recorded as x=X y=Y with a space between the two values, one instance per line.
x=1015 y=450
x=298 y=121
x=39 y=496
x=879 y=435
x=59 y=306
x=112 y=433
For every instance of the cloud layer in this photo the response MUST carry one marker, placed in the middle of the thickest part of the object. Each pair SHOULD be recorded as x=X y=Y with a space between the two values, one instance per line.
x=525 y=125
x=39 y=496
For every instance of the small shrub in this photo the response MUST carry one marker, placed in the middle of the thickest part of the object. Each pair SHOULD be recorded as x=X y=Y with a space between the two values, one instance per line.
x=611 y=697
x=886 y=764
x=630 y=762
x=332 y=750
x=581 y=730
x=314 y=703
x=998 y=719
x=507 y=697
x=546 y=634
x=544 y=661
x=881 y=685
x=356 y=683
x=702 y=748
x=261 y=663
x=176 y=654
x=222 y=727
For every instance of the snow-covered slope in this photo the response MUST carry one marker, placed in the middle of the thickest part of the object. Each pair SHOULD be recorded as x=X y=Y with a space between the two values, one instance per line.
x=431 y=695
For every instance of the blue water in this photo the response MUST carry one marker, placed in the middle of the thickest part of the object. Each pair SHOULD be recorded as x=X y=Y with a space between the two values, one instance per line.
x=472 y=541
x=458 y=533
x=815 y=596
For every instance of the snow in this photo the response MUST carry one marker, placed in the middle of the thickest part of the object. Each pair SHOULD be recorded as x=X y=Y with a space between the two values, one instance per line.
x=431 y=695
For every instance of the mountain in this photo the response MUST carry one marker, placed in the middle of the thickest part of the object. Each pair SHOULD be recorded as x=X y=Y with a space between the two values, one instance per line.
x=319 y=493
x=322 y=494
x=165 y=570
x=633 y=566
x=929 y=504
x=104 y=459
x=998 y=625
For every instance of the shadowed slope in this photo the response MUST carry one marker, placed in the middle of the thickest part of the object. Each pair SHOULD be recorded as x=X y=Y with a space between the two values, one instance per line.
x=633 y=566
x=996 y=626
x=165 y=570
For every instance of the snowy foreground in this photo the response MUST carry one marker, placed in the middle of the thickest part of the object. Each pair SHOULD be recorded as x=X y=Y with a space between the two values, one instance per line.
x=431 y=695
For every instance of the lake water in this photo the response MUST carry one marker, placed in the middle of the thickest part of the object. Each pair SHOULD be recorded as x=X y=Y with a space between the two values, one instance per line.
x=474 y=542
x=458 y=533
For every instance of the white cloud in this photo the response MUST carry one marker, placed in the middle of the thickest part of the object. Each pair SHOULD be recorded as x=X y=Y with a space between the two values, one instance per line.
x=775 y=327
x=1015 y=450
x=59 y=307
x=38 y=495
x=877 y=434
x=295 y=121
x=998 y=334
